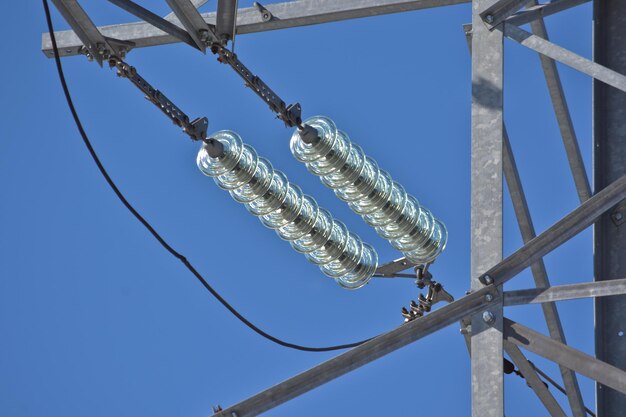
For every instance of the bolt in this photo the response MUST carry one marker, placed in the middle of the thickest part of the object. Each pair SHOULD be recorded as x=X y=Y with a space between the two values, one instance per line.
x=466 y=329
x=489 y=18
x=618 y=216
x=487 y=280
x=488 y=317
x=489 y=297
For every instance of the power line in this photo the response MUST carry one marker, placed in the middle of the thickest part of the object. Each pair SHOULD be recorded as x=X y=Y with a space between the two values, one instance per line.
x=509 y=368
x=151 y=229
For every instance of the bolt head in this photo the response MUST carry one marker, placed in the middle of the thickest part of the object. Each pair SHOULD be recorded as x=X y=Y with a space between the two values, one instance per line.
x=618 y=216
x=488 y=280
x=489 y=18
x=488 y=317
x=489 y=297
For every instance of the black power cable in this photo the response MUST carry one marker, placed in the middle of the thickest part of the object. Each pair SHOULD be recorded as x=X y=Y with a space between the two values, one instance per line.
x=151 y=229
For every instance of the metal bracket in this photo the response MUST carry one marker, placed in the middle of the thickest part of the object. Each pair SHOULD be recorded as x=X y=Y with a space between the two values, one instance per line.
x=196 y=129
x=392 y=269
x=618 y=215
x=266 y=15
x=290 y=115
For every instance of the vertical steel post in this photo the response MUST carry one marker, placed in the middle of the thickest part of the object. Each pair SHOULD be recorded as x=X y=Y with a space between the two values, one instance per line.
x=486 y=210
x=609 y=118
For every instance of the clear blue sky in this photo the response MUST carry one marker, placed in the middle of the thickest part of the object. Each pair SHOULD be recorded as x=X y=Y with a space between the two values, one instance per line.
x=98 y=320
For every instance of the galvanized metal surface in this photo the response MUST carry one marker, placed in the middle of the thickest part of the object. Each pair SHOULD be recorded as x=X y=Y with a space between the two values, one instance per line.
x=563 y=116
x=196 y=3
x=84 y=29
x=542 y=10
x=155 y=21
x=533 y=380
x=560 y=232
x=565 y=292
x=609 y=121
x=364 y=354
x=538 y=269
x=566 y=57
x=249 y=20
x=191 y=19
x=500 y=10
x=565 y=355
x=486 y=210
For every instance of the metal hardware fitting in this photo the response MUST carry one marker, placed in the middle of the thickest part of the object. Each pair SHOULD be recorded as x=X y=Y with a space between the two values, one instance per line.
x=618 y=215
x=291 y=115
x=196 y=128
x=266 y=15
x=424 y=304
x=487 y=280
x=488 y=317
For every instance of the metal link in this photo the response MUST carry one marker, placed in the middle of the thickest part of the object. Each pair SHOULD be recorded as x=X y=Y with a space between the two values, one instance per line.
x=196 y=129
x=291 y=115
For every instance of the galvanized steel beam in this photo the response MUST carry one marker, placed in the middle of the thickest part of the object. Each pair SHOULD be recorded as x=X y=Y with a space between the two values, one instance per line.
x=486 y=210
x=565 y=292
x=565 y=355
x=86 y=32
x=154 y=20
x=538 y=269
x=563 y=117
x=364 y=354
x=500 y=10
x=539 y=11
x=565 y=56
x=191 y=19
x=573 y=223
x=196 y=3
x=533 y=380
x=249 y=20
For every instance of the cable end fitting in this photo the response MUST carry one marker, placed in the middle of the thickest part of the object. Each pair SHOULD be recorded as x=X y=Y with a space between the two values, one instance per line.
x=309 y=135
x=214 y=147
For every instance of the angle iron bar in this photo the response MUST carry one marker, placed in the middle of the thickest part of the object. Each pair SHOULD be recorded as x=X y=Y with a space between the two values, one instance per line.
x=539 y=273
x=563 y=116
x=85 y=30
x=539 y=11
x=570 y=225
x=191 y=19
x=565 y=56
x=154 y=20
x=565 y=292
x=196 y=3
x=565 y=355
x=196 y=129
x=533 y=380
x=363 y=354
x=226 y=19
x=486 y=210
x=500 y=10
x=287 y=15
x=538 y=268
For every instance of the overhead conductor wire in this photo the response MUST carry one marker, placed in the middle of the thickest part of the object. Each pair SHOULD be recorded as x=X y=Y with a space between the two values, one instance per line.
x=151 y=229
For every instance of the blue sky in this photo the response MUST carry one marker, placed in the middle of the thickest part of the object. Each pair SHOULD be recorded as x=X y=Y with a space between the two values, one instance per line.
x=97 y=319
